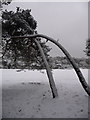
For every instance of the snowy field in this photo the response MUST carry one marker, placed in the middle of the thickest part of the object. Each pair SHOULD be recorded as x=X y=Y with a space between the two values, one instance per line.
x=27 y=94
x=0 y=94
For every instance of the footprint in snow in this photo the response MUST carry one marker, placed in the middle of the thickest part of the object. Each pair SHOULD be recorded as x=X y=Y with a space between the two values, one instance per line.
x=37 y=83
x=75 y=96
x=23 y=83
x=81 y=110
x=19 y=110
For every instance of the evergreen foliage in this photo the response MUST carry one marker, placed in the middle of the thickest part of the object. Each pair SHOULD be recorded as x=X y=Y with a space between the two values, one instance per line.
x=21 y=53
x=88 y=47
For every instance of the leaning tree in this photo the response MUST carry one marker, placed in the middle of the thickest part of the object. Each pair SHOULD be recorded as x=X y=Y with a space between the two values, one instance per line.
x=28 y=53
x=18 y=53
x=20 y=36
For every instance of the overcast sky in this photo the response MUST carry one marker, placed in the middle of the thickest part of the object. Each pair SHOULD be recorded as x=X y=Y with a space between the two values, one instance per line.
x=66 y=21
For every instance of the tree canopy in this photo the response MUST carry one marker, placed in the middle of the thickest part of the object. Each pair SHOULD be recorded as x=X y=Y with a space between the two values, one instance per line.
x=21 y=53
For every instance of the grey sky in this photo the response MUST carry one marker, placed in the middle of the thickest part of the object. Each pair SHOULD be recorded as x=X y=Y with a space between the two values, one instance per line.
x=66 y=21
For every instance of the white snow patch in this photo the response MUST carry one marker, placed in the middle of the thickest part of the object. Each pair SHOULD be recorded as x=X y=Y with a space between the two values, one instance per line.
x=28 y=95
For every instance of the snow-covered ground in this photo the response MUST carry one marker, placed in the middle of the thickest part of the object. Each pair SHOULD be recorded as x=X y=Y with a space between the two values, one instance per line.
x=0 y=94
x=28 y=95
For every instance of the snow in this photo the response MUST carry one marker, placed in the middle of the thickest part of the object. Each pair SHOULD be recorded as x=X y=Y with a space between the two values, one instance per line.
x=28 y=95
x=0 y=94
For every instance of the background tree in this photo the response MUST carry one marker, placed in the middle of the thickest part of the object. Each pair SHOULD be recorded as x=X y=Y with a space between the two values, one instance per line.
x=88 y=47
x=5 y=2
x=19 y=53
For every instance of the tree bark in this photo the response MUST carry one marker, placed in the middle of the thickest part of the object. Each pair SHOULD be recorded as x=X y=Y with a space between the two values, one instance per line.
x=51 y=80
x=76 y=68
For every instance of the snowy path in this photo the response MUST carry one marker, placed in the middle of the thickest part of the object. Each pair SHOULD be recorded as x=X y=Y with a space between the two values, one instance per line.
x=28 y=95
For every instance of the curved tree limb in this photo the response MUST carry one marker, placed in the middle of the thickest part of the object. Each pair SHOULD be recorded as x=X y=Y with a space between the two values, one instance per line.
x=51 y=80
x=76 y=68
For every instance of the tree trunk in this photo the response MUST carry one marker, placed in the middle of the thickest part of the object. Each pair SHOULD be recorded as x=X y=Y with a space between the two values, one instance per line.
x=51 y=80
x=76 y=68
